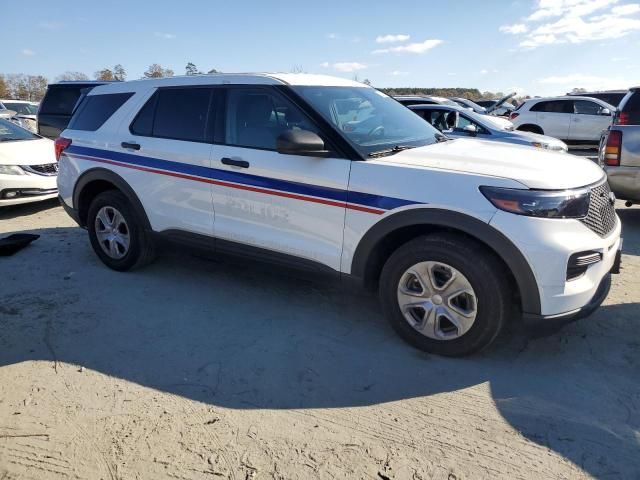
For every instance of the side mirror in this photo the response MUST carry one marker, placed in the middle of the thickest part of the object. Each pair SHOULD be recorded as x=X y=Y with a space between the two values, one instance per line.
x=471 y=130
x=606 y=112
x=301 y=142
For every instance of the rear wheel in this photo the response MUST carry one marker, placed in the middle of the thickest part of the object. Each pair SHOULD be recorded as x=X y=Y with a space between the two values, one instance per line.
x=117 y=234
x=445 y=294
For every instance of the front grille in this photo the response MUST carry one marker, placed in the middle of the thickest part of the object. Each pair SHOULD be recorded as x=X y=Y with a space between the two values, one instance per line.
x=601 y=218
x=46 y=169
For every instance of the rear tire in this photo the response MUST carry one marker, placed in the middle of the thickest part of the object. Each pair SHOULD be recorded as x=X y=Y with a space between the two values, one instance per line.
x=445 y=294
x=117 y=233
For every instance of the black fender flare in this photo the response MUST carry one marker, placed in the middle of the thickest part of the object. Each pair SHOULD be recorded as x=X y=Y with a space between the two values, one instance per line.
x=103 y=174
x=483 y=232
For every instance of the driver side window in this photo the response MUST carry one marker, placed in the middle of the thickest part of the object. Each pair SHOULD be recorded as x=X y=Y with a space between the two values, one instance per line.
x=256 y=117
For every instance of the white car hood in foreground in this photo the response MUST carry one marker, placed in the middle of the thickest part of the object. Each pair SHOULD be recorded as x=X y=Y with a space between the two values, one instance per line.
x=27 y=152
x=534 y=168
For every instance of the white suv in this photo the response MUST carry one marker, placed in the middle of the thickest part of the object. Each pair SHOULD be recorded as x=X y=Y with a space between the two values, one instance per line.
x=575 y=120
x=334 y=175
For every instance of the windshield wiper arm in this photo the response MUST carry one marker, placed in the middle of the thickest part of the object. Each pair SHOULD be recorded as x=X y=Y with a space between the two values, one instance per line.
x=390 y=151
x=442 y=138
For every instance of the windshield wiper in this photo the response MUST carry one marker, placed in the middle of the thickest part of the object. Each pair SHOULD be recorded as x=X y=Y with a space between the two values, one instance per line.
x=442 y=138
x=390 y=151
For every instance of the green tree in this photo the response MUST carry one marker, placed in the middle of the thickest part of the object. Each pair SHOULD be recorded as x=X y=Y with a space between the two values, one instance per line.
x=191 y=69
x=366 y=81
x=213 y=70
x=119 y=73
x=156 y=71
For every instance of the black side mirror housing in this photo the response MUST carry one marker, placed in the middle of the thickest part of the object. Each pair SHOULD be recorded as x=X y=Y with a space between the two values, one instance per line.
x=301 y=142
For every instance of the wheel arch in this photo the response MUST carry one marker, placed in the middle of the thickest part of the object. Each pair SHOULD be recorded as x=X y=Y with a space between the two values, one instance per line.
x=531 y=127
x=97 y=180
x=385 y=236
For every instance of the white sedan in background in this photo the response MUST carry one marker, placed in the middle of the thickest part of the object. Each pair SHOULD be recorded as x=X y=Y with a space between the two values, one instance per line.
x=28 y=166
x=25 y=113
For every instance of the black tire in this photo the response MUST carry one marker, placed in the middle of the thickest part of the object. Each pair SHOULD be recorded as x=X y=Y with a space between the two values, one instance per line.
x=141 y=246
x=484 y=272
x=531 y=128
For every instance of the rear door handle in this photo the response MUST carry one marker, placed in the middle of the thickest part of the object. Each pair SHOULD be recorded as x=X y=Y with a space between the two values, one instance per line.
x=235 y=163
x=132 y=146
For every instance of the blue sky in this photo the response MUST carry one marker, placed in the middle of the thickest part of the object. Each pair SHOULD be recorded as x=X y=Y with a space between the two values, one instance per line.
x=535 y=46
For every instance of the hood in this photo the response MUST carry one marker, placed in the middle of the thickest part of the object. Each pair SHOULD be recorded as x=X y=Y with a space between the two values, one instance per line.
x=498 y=122
x=27 y=152
x=534 y=168
x=554 y=143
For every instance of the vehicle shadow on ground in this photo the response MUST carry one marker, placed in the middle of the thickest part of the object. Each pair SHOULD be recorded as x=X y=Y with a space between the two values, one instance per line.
x=233 y=334
x=15 y=211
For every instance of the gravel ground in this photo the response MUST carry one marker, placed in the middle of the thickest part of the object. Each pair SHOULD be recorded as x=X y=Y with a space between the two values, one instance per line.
x=196 y=368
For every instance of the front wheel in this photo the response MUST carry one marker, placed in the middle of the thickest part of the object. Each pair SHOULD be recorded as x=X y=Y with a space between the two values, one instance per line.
x=445 y=294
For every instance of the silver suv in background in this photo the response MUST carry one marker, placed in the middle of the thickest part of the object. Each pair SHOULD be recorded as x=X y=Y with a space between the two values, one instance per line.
x=620 y=149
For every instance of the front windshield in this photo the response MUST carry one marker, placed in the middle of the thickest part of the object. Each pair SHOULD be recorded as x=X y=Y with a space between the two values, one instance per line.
x=9 y=131
x=369 y=120
x=22 y=108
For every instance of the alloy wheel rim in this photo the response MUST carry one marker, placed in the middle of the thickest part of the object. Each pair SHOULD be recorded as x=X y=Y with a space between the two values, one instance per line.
x=437 y=300
x=112 y=232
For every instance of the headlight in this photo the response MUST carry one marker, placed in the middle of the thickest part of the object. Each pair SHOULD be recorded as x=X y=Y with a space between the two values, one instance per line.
x=11 y=170
x=540 y=203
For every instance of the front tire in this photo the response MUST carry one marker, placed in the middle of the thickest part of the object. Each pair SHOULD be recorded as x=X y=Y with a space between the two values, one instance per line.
x=445 y=294
x=117 y=234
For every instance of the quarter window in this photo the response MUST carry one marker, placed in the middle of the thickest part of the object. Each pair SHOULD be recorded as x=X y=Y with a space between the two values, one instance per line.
x=95 y=110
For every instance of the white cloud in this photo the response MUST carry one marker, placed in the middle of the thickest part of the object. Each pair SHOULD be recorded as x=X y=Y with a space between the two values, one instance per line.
x=348 y=66
x=576 y=21
x=590 y=82
x=392 y=38
x=411 y=47
x=398 y=73
x=50 y=25
x=484 y=71
x=514 y=29
x=28 y=52
x=324 y=64
x=333 y=36
x=166 y=36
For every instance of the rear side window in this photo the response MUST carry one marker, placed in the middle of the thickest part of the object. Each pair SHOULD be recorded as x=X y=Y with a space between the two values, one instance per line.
x=176 y=113
x=60 y=101
x=97 y=109
x=554 y=106
x=630 y=108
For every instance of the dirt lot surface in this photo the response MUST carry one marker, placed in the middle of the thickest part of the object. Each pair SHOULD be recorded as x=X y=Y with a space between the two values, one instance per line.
x=193 y=369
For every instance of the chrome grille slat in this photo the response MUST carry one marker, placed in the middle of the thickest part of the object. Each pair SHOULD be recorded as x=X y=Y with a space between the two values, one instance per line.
x=47 y=169
x=601 y=218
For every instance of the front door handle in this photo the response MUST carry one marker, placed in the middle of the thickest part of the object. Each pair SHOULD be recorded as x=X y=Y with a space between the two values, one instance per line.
x=235 y=163
x=132 y=146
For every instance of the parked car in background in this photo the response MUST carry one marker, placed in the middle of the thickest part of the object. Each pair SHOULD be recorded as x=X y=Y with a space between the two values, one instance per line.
x=28 y=166
x=456 y=236
x=458 y=122
x=501 y=107
x=25 y=115
x=620 y=149
x=58 y=105
x=612 y=97
x=465 y=103
x=408 y=100
x=575 y=120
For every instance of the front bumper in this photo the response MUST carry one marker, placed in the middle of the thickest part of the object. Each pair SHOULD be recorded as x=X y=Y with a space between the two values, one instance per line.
x=544 y=324
x=18 y=189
